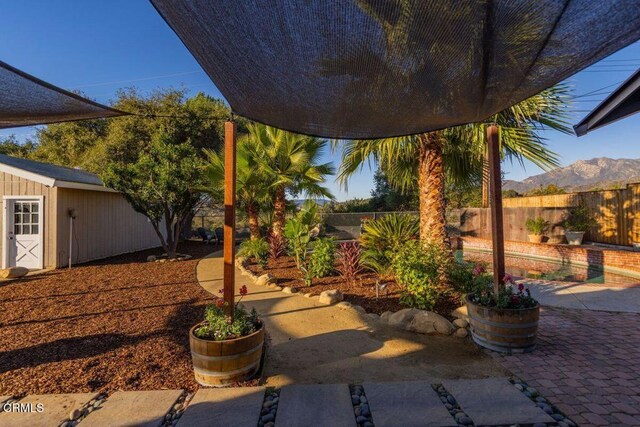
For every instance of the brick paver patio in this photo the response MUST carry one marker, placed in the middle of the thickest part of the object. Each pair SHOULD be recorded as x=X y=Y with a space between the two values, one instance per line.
x=587 y=363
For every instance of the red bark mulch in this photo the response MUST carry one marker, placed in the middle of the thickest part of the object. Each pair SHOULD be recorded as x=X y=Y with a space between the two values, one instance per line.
x=362 y=293
x=119 y=323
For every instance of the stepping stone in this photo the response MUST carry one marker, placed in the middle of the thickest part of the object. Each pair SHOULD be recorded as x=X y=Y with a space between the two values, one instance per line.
x=44 y=409
x=315 y=405
x=407 y=404
x=133 y=408
x=495 y=401
x=231 y=407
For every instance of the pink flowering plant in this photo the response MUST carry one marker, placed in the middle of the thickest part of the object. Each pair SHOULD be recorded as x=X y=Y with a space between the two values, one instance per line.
x=216 y=325
x=511 y=296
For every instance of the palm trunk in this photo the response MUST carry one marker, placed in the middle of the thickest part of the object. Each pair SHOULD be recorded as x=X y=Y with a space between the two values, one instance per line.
x=254 y=225
x=279 y=205
x=431 y=180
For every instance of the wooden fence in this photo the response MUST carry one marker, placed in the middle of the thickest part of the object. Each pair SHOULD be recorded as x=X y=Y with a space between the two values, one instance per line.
x=617 y=212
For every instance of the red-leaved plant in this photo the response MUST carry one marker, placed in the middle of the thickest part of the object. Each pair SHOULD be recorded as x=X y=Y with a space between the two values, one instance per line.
x=349 y=254
x=277 y=245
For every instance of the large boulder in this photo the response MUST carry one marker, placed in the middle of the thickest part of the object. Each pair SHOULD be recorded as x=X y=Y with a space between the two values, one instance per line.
x=330 y=297
x=13 y=272
x=428 y=322
x=402 y=318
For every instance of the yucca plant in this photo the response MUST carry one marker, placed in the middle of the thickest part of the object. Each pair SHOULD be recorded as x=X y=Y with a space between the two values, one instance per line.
x=381 y=238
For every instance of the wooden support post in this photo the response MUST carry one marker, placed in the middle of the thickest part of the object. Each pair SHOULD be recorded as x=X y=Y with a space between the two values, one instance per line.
x=485 y=180
x=495 y=195
x=229 y=216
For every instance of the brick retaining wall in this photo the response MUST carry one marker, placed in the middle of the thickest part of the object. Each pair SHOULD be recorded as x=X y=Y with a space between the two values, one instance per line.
x=585 y=254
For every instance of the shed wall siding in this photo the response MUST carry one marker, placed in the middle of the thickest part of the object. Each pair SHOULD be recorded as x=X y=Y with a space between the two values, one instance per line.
x=12 y=185
x=105 y=225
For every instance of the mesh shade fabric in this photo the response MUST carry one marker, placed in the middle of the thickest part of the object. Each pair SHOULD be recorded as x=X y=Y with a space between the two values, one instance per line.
x=26 y=101
x=374 y=68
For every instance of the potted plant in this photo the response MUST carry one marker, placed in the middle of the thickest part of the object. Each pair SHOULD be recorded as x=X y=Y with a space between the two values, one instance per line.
x=504 y=321
x=576 y=222
x=226 y=350
x=536 y=228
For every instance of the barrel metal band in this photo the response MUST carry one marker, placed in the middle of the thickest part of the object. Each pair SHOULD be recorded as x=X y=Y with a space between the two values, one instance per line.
x=231 y=357
x=226 y=373
x=504 y=325
x=496 y=334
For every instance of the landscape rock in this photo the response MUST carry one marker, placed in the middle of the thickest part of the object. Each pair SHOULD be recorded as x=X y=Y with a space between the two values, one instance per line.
x=344 y=305
x=461 y=313
x=76 y=413
x=308 y=295
x=461 y=323
x=358 y=308
x=384 y=317
x=428 y=322
x=462 y=332
x=151 y=258
x=372 y=316
x=289 y=290
x=265 y=279
x=402 y=318
x=13 y=272
x=330 y=297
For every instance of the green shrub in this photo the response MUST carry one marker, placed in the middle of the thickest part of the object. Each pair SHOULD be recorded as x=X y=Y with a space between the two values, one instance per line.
x=381 y=239
x=421 y=270
x=297 y=230
x=578 y=219
x=258 y=249
x=217 y=328
x=468 y=277
x=537 y=226
x=322 y=258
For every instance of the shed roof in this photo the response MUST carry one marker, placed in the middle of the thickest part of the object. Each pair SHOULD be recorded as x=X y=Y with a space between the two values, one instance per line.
x=623 y=102
x=51 y=175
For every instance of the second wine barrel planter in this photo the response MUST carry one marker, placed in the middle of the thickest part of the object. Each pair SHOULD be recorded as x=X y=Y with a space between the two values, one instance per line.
x=219 y=363
x=503 y=330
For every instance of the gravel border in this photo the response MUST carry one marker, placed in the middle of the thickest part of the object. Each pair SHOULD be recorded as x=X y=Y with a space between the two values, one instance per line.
x=78 y=415
x=172 y=417
x=269 y=407
x=561 y=419
x=360 y=404
x=452 y=406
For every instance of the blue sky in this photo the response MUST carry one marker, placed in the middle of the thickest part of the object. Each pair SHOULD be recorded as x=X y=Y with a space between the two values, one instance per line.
x=99 y=46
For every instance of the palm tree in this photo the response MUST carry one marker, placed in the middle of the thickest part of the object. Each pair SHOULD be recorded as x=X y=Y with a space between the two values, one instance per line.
x=252 y=184
x=292 y=163
x=457 y=153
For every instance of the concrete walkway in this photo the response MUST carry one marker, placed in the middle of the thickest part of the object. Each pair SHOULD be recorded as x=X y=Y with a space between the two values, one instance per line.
x=314 y=343
x=586 y=296
x=398 y=404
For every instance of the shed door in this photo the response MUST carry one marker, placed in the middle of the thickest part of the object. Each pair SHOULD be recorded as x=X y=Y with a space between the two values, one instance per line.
x=24 y=233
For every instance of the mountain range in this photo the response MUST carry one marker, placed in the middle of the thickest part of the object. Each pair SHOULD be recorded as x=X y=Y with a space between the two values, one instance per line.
x=583 y=175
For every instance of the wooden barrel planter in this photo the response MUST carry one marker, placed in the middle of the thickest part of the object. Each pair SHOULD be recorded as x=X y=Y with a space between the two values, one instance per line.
x=219 y=363
x=504 y=330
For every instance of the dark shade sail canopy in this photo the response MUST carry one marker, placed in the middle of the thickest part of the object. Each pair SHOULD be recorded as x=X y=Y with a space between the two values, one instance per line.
x=376 y=68
x=623 y=102
x=26 y=101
